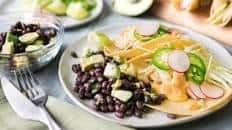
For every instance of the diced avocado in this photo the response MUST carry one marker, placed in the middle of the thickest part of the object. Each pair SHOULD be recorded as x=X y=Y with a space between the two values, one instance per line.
x=118 y=59
x=87 y=52
x=57 y=7
x=100 y=39
x=122 y=95
x=29 y=38
x=88 y=61
x=117 y=84
x=33 y=47
x=95 y=87
x=128 y=69
x=76 y=10
x=8 y=48
x=112 y=71
x=39 y=42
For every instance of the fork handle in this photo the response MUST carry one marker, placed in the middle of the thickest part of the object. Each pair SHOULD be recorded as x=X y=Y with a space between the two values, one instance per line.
x=51 y=123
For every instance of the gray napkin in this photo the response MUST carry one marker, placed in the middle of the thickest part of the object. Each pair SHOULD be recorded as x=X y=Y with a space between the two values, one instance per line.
x=68 y=116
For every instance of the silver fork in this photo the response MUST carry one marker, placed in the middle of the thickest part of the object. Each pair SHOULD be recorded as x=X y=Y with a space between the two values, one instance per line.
x=29 y=85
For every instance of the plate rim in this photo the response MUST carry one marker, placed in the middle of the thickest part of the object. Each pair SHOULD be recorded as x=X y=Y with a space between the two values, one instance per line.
x=174 y=122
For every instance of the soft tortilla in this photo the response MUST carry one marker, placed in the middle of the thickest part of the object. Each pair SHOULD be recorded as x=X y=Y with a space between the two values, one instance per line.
x=183 y=108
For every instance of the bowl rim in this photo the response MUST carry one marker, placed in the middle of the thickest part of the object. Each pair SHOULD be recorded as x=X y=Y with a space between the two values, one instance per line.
x=56 y=21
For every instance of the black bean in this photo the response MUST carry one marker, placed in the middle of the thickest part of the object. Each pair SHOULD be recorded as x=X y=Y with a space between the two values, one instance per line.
x=100 y=79
x=138 y=113
x=111 y=108
x=139 y=105
x=129 y=112
x=158 y=99
x=104 y=84
x=147 y=99
x=119 y=114
x=117 y=107
x=76 y=68
x=88 y=95
x=138 y=94
x=172 y=116
x=126 y=84
x=85 y=77
x=109 y=100
x=98 y=96
x=82 y=92
x=122 y=107
x=104 y=108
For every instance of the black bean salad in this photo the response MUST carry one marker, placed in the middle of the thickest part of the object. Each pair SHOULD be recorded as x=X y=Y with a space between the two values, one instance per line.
x=24 y=37
x=112 y=89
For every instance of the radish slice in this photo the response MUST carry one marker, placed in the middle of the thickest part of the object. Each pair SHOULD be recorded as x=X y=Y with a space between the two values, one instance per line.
x=196 y=91
x=178 y=60
x=191 y=94
x=147 y=29
x=212 y=92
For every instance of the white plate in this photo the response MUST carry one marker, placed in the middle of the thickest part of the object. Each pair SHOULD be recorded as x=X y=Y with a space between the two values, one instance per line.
x=153 y=119
x=68 y=22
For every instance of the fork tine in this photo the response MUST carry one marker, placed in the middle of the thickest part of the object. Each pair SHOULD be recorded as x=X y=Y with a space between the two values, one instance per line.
x=33 y=79
x=19 y=85
x=21 y=80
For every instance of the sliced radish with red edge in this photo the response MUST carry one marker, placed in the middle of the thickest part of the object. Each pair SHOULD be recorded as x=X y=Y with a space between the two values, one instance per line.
x=147 y=29
x=211 y=91
x=178 y=60
x=191 y=94
x=196 y=90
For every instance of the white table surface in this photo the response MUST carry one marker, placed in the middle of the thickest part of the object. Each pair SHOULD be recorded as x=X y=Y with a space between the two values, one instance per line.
x=221 y=120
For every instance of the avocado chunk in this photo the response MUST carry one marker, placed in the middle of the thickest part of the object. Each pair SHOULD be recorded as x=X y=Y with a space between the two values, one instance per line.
x=128 y=69
x=29 y=38
x=39 y=42
x=87 y=52
x=33 y=47
x=122 y=95
x=131 y=7
x=57 y=7
x=117 y=84
x=77 y=10
x=8 y=47
x=88 y=61
x=95 y=88
x=112 y=71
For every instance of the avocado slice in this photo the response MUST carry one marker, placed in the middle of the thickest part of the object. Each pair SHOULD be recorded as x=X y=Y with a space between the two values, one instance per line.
x=8 y=46
x=112 y=71
x=29 y=38
x=128 y=69
x=117 y=84
x=88 y=61
x=131 y=7
x=77 y=10
x=122 y=95
x=33 y=47
x=57 y=7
